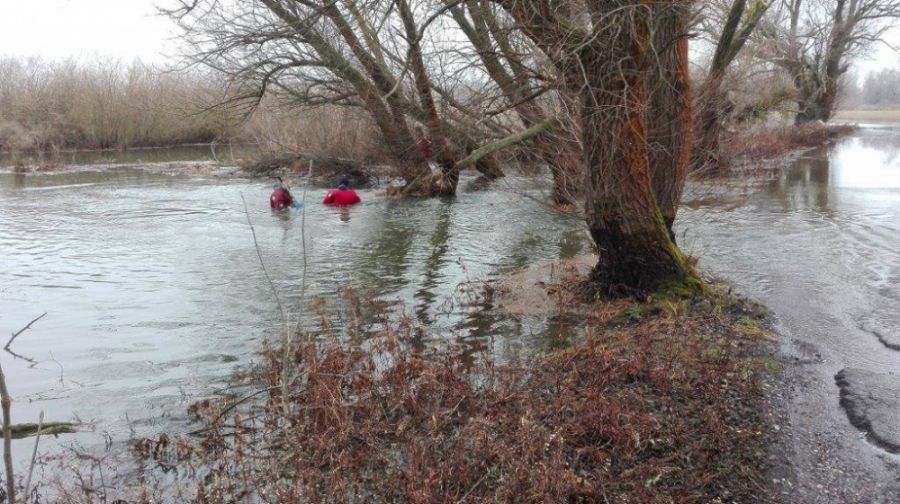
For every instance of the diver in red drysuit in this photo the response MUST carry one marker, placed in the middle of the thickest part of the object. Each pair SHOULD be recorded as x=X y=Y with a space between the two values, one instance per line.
x=343 y=195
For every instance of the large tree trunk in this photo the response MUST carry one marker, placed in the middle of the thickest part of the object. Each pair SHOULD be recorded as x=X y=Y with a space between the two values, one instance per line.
x=670 y=132
x=447 y=161
x=708 y=126
x=636 y=253
x=816 y=95
x=814 y=103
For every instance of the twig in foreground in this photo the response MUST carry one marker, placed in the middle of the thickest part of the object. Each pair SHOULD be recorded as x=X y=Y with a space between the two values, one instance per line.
x=37 y=440
x=5 y=402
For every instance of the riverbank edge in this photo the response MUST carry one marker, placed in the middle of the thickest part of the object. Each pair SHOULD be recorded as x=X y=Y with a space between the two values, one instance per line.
x=669 y=400
x=752 y=150
x=545 y=289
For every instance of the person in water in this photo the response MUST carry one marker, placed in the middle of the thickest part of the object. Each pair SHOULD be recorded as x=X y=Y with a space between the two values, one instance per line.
x=281 y=197
x=343 y=195
x=423 y=142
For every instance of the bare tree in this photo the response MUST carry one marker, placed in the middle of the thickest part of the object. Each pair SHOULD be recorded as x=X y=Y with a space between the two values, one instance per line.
x=881 y=88
x=738 y=25
x=533 y=89
x=816 y=42
x=349 y=53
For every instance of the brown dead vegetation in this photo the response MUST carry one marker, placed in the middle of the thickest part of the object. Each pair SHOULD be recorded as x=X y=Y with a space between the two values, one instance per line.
x=661 y=402
x=770 y=143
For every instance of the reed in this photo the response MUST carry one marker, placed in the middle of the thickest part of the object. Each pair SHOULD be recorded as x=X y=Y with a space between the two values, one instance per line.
x=46 y=106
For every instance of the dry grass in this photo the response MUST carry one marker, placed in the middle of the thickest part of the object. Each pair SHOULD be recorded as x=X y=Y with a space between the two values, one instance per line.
x=660 y=403
x=46 y=106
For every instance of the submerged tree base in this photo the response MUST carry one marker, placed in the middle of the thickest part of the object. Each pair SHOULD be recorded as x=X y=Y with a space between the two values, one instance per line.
x=640 y=266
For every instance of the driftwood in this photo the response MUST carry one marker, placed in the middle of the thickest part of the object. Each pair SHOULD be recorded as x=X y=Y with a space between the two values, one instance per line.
x=16 y=335
x=23 y=430
x=328 y=169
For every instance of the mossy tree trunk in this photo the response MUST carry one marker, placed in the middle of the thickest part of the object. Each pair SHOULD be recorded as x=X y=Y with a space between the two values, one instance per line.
x=670 y=127
x=637 y=256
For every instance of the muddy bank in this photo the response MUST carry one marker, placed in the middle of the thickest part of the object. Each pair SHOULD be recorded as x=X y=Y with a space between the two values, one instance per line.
x=542 y=289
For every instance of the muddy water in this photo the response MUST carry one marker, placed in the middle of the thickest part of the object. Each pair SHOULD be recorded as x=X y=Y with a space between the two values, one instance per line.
x=819 y=243
x=183 y=153
x=154 y=293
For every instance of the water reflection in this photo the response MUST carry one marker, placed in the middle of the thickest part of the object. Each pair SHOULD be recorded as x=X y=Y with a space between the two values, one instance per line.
x=867 y=163
x=806 y=184
x=819 y=245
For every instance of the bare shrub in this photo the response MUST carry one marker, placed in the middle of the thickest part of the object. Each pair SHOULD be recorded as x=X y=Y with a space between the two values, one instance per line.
x=325 y=131
x=658 y=404
x=761 y=143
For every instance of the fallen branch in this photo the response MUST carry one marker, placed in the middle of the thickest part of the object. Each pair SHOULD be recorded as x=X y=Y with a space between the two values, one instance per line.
x=492 y=147
x=16 y=335
x=23 y=430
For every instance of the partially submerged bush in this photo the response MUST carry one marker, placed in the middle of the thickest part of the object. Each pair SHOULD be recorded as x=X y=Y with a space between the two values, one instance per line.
x=659 y=408
x=765 y=143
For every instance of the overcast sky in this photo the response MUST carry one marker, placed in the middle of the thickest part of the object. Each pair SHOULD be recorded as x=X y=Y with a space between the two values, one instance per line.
x=56 y=29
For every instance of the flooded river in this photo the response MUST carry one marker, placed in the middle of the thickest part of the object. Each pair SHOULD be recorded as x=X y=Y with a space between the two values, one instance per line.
x=154 y=294
x=819 y=244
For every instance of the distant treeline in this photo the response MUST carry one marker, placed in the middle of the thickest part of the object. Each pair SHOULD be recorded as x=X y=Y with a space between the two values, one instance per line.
x=879 y=89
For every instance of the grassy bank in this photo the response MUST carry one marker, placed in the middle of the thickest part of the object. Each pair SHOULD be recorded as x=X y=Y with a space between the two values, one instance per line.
x=659 y=402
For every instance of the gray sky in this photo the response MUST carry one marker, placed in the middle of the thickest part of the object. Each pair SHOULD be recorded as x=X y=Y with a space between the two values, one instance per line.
x=56 y=29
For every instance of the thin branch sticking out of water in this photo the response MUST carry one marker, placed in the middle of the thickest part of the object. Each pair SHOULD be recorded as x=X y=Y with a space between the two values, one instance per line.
x=16 y=335
x=263 y=264
x=37 y=441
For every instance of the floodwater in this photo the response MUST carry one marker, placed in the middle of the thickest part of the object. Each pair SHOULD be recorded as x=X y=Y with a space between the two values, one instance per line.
x=819 y=244
x=154 y=293
x=226 y=153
